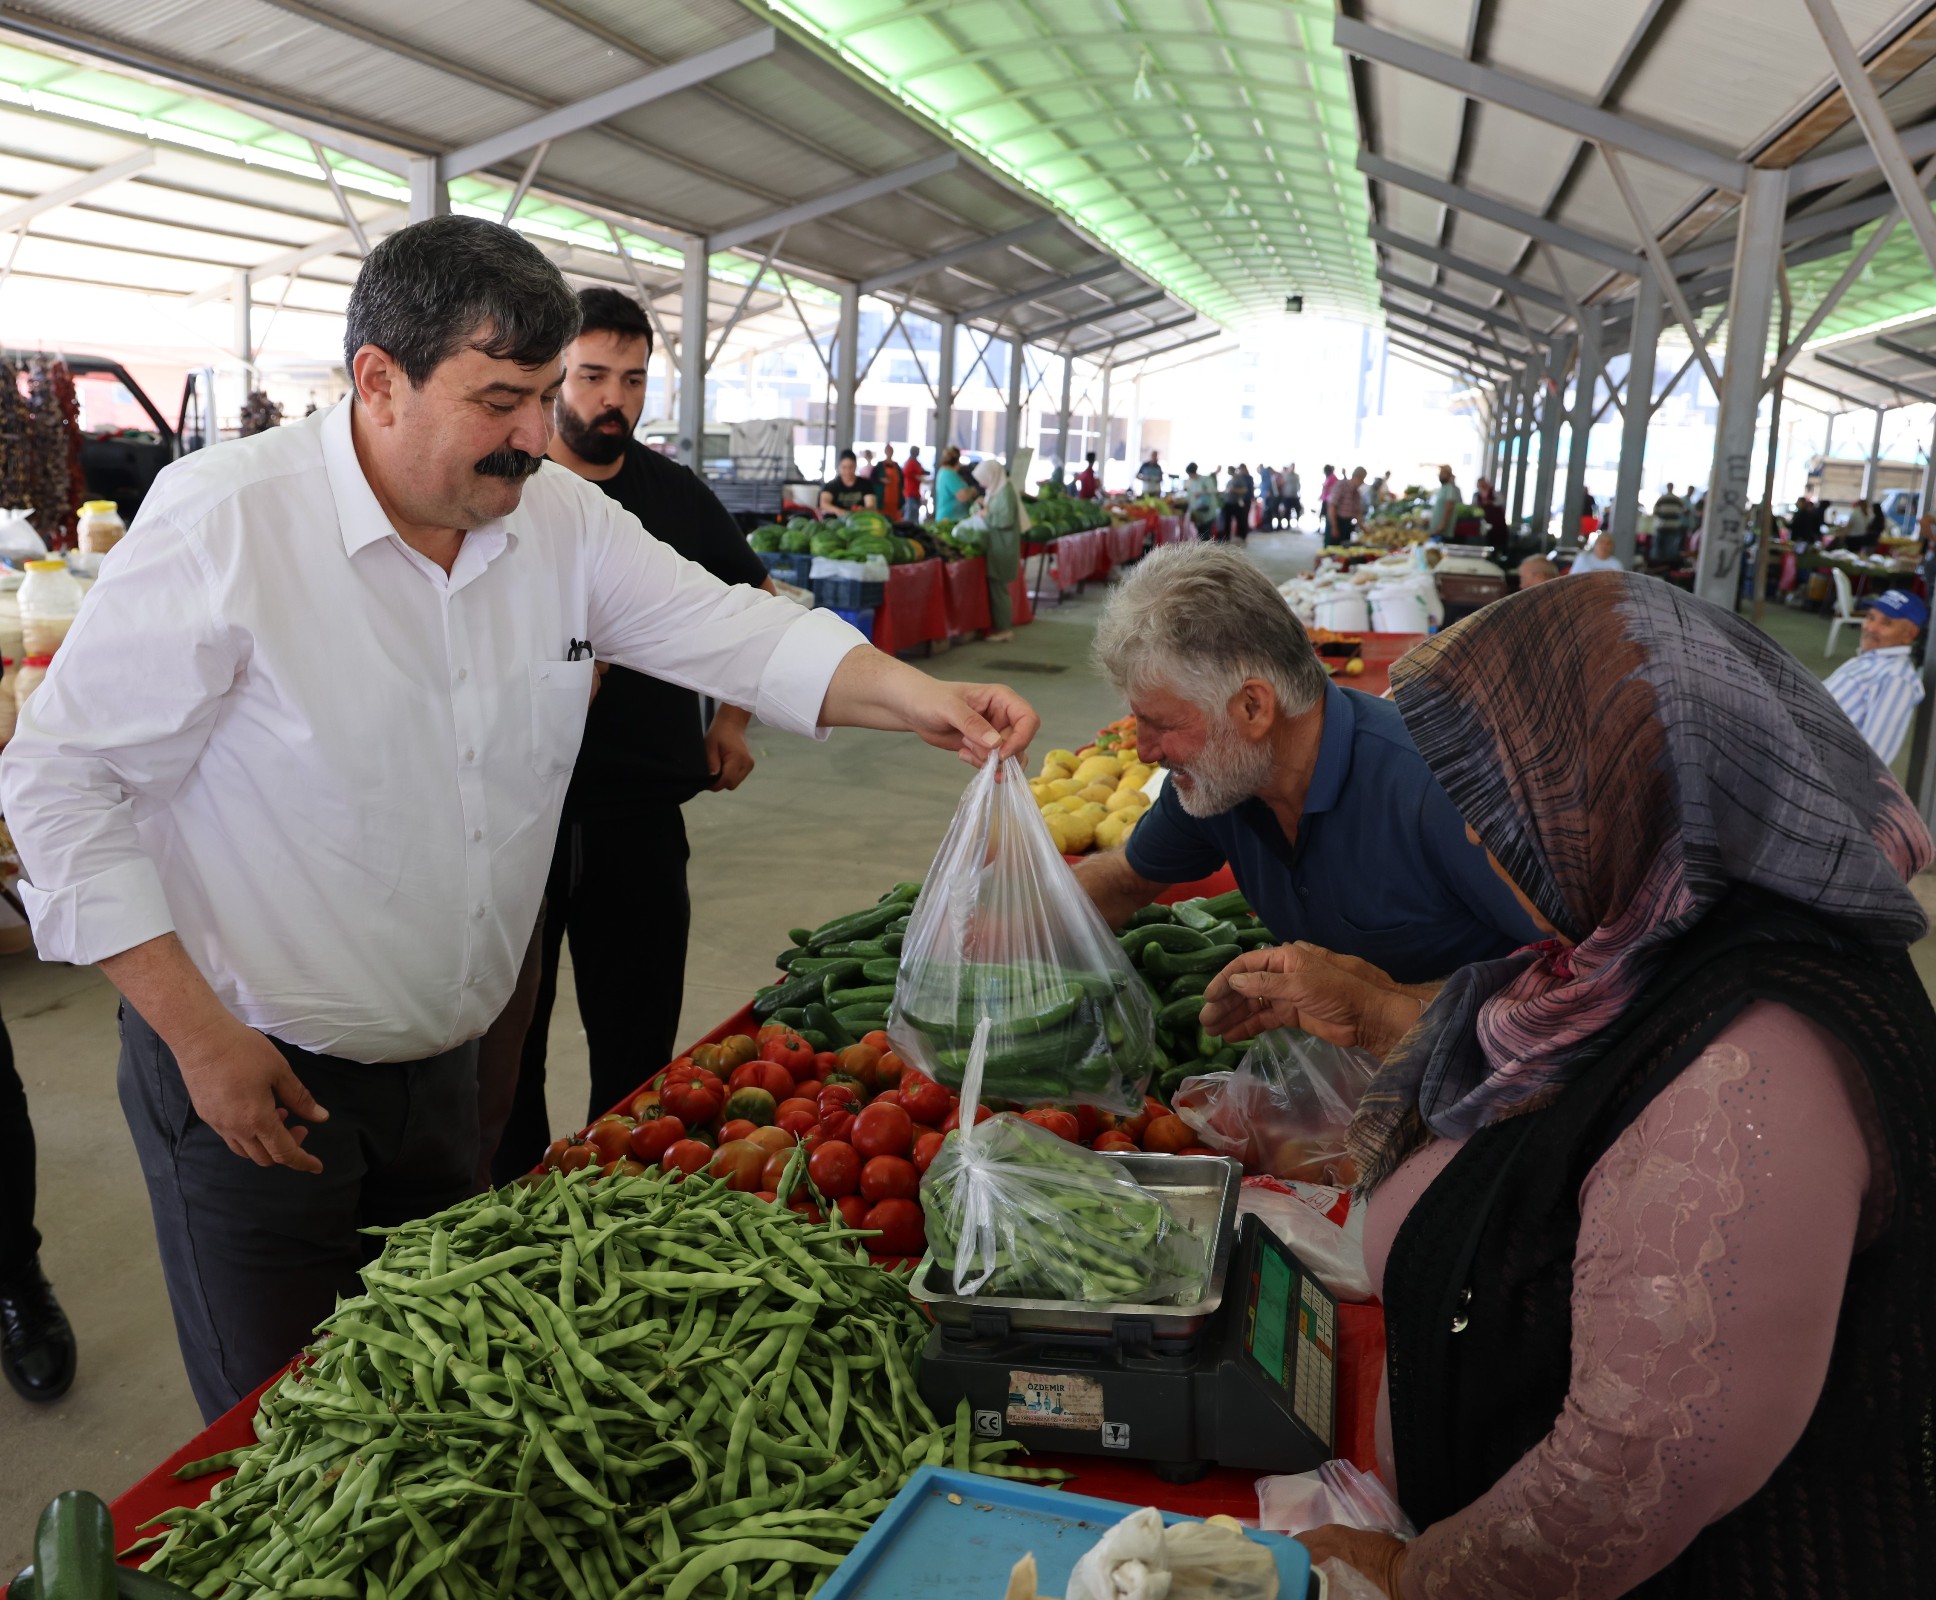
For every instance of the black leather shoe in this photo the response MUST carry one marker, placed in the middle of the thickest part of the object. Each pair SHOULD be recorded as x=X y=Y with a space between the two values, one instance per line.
x=36 y=1344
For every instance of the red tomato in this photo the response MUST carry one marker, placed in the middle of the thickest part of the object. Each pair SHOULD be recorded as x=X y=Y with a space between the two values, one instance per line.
x=775 y=1169
x=852 y=1209
x=953 y=1119
x=765 y=1194
x=877 y=1042
x=774 y=1140
x=785 y=1048
x=883 y=1130
x=645 y=1105
x=922 y=1098
x=694 y=1101
x=1168 y=1134
x=738 y=1128
x=624 y=1167
x=707 y=1056
x=684 y=1156
x=680 y=1070
x=860 y=1062
x=610 y=1137
x=835 y=1169
x=890 y=1178
x=738 y=1162
x=576 y=1155
x=735 y=1048
x=554 y=1152
x=810 y=1090
x=888 y=1097
x=1062 y=1124
x=1198 y=1150
x=768 y=1075
x=902 y=1231
x=926 y=1147
x=1136 y=1126
x=652 y=1139
x=807 y=1209
x=798 y=1117
x=814 y=1138
x=888 y=1072
x=839 y=1105
x=1115 y=1143
x=824 y=1062
x=1088 y=1123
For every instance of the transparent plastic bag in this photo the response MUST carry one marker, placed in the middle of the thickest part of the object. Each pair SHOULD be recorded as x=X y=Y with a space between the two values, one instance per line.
x=1284 y=1111
x=1141 y=1559
x=1336 y=1493
x=1003 y=931
x=1014 y=1210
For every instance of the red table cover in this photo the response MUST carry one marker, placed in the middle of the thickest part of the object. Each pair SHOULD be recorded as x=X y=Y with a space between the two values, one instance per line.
x=913 y=608
x=964 y=588
x=1126 y=540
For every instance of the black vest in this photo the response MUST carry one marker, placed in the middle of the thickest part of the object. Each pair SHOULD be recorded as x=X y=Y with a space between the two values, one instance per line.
x=1488 y=1251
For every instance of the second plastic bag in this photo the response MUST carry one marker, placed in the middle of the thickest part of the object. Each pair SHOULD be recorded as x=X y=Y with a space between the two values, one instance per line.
x=1285 y=1110
x=1003 y=931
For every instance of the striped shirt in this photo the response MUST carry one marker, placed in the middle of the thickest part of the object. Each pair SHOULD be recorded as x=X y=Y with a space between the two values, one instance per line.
x=1880 y=690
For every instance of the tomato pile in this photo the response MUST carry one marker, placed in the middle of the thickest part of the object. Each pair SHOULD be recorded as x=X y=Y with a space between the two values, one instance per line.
x=870 y=1124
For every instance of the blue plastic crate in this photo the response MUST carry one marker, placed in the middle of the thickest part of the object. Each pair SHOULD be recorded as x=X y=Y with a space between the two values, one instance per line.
x=925 y=1546
x=848 y=594
x=863 y=620
x=788 y=568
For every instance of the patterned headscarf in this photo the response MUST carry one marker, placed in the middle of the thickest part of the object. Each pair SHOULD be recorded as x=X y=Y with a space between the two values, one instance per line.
x=1628 y=753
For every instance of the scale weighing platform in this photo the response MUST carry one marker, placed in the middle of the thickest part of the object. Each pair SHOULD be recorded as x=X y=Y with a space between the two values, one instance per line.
x=1247 y=1377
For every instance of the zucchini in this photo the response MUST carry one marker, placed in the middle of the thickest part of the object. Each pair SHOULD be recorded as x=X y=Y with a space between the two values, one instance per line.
x=74 y=1548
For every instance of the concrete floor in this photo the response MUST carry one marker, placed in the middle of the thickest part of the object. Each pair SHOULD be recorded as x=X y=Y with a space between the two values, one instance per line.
x=818 y=829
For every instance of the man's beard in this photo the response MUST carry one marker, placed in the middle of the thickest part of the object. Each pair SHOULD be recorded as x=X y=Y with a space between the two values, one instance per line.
x=585 y=439
x=509 y=463
x=1227 y=771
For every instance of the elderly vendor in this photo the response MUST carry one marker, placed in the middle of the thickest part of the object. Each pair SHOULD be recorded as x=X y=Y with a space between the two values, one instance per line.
x=1315 y=795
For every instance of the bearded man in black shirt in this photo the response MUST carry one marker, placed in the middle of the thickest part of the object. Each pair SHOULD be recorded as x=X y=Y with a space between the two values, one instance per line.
x=618 y=876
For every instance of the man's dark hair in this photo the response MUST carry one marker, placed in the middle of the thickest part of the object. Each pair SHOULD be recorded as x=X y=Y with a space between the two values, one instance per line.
x=612 y=311
x=848 y=455
x=1090 y=458
x=434 y=288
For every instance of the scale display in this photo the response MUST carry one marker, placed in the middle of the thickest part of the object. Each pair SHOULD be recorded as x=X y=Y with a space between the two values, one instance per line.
x=1291 y=1332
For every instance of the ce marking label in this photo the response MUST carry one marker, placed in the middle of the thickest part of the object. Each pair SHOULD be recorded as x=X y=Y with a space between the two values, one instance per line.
x=988 y=1424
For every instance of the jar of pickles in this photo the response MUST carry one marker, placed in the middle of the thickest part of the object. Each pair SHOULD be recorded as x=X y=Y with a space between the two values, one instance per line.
x=100 y=527
x=50 y=599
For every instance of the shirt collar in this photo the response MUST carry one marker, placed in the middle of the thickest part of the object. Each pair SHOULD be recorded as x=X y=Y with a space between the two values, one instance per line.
x=1334 y=751
x=1889 y=652
x=360 y=515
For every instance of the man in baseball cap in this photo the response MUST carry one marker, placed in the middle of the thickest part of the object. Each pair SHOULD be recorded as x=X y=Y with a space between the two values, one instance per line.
x=1881 y=688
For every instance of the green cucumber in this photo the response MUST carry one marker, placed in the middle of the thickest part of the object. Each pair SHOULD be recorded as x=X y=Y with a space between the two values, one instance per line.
x=855 y=950
x=1146 y=916
x=874 y=997
x=799 y=935
x=1229 y=904
x=1165 y=936
x=1162 y=965
x=74 y=1548
x=858 y=925
x=1195 y=914
x=786 y=958
x=885 y=970
x=793 y=1017
x=1191 y=983
x=131 y=1583
x=903 y=893
x=857 y=1020
x=821 y=1019
x=1256 y=938
x=1181 y=1013
x=819 y=1041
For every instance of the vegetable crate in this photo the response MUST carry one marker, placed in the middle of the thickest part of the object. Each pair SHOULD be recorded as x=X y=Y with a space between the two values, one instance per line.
x=863 y=620
x=788 y=568
x=848 y=594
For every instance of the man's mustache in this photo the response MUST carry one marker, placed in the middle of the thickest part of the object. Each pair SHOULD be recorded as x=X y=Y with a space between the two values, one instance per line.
x=509 y=463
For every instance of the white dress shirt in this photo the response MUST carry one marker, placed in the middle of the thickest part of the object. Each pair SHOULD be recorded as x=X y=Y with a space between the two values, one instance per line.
x=334 y=770
x=1880 y=690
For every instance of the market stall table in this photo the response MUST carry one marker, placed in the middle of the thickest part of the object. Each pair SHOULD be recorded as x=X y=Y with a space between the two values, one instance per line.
x=964 y=593
x=1173 y=530
x=913 y=608
x=1378 y=653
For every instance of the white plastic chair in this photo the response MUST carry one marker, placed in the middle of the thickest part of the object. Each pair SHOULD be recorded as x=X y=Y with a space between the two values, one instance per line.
x=1845 y=614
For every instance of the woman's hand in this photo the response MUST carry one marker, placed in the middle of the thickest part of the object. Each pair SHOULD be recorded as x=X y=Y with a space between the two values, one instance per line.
x=1340 y=998
x=1379 y=1556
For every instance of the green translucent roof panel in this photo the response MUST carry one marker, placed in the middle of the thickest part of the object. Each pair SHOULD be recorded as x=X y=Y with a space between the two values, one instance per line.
x=1209 y=144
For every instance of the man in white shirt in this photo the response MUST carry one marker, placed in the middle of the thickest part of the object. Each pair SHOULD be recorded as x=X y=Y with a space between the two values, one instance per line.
x=1881 y=688
x=294 y=777
x=1600 y=558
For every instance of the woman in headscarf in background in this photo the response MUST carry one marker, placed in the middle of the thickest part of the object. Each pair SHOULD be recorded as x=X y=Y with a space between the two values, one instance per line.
x=1002 y=511
x=1652 y=1203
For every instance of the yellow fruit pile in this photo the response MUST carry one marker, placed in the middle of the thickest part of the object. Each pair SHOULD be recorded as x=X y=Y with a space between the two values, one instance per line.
x=1090 y=802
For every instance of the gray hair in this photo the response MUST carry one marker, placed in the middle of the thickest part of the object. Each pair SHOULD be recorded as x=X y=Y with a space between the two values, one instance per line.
x=1199 y=619
x=434 y=288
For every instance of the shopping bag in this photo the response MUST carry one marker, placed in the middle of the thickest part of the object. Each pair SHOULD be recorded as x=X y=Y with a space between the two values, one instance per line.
x=1285 y=1109
x=1013 y=1209
x=1003 y=931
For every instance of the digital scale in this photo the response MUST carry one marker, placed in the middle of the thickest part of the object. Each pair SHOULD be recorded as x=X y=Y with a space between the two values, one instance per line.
x=1244 y=1377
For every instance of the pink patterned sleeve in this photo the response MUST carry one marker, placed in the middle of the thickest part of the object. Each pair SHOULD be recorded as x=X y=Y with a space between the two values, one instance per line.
x=1714 y=1245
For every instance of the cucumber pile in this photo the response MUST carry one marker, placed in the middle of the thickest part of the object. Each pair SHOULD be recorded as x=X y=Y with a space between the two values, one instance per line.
x=1021 y=1213
x=839 y=977
x=1179 y=949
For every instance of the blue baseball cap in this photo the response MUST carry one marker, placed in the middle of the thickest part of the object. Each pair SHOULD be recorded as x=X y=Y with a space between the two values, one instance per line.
x=1900 y=603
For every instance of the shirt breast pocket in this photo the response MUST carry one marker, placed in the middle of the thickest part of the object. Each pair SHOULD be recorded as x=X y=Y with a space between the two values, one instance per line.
x=561 y=694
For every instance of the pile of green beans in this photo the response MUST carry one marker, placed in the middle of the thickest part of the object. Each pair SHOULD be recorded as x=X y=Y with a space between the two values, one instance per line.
x=587 y=1388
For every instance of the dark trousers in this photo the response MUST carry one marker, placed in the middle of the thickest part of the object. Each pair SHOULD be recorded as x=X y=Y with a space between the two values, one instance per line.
x=618 y=889
x=19 y=1239
x=1234 y=520
x=255 y=1257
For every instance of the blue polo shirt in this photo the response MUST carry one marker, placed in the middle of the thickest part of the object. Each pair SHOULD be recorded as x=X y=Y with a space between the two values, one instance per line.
x=1381 y=868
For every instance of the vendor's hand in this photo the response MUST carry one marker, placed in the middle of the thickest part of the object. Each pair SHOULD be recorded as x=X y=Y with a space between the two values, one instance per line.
x=973 y=719
x=1379 y=1556
x=242 y=1086
x=729 y=758
x=1340 y=998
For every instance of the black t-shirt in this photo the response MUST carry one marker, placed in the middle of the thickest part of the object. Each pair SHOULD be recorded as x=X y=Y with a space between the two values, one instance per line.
x=849 y=496
x=645 y=746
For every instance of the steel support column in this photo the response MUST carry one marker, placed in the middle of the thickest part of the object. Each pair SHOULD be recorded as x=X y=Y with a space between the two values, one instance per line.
x=1523 y=452
x=1102 y=445
x=1551 y=405
x=944 y=386
x=1062 y=415
x=1624 y=514
x=1875 y=455
x=694 y=314
x=846 y=365
x=242 y=338
x=1585 y=393
x=428 y=195
x=1012 y=422
x=1927 y=501
x=1757 y=263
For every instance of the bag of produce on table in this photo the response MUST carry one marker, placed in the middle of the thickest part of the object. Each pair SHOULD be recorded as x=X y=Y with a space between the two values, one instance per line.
x=1002 y=931
x=581 y=1386
x=1285 y=1111
x=1013 y=1210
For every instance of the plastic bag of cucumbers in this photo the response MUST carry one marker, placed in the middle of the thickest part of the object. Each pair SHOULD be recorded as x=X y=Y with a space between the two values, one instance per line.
x=1013 y=1210
x=1003 y=931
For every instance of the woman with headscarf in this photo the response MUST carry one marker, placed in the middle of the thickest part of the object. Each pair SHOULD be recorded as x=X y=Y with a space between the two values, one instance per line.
x=1002 y=511
x=1652 y=1203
